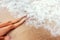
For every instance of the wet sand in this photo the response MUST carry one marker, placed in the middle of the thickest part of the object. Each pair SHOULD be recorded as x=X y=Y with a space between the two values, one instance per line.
x=29 y=32
x=26 y=32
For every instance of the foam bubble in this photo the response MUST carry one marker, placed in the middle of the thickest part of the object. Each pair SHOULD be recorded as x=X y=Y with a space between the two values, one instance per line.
x=41 y=12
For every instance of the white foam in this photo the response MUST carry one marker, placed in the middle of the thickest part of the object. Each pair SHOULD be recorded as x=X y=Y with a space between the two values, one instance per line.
x=38 y=11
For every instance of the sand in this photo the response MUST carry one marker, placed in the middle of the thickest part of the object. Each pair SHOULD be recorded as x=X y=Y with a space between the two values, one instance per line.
x=26 y=32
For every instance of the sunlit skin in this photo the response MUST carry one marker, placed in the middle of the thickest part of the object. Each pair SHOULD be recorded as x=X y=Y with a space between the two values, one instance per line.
x=8 y=26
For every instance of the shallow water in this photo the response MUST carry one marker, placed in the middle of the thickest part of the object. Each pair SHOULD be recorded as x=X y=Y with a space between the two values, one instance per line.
x=41 y=12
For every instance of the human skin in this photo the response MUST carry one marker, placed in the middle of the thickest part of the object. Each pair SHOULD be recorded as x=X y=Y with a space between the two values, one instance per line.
x=6 y=27
x=7 y=21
